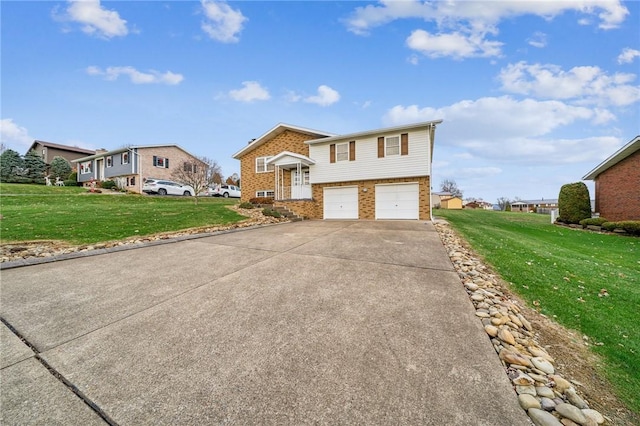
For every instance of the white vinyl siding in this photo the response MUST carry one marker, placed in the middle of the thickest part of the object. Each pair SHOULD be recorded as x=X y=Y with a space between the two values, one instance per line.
x=367 y=165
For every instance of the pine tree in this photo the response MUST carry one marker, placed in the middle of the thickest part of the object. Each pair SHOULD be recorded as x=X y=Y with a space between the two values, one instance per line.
x=11 y=165
x=60 y=168
x=34 y=166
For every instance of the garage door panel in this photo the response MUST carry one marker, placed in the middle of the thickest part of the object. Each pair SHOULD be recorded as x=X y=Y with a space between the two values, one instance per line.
x=340 y=203
x=397 y=201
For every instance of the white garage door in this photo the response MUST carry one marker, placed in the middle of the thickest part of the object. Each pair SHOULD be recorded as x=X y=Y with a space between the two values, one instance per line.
x=341 y=202
x=398 y=201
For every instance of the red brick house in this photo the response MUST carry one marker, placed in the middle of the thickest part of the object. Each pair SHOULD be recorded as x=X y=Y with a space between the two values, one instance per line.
x=617 y=182
x=374 y=174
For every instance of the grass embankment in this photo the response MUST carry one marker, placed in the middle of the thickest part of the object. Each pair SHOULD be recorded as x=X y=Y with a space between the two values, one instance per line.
x=565 y=273
x=70 y=214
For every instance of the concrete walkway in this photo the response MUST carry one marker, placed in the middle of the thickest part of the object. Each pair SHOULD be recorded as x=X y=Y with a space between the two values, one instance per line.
x=315 y=322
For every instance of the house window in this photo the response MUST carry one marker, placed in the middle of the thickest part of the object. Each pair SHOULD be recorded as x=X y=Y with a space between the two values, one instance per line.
x=392 y=145
x=262 y=166
x=265 y=193
x=342 y=152
x=131 y=181
x=109 y=161
x=85 y=168
x=125 y=158
x=161 y=162
x=189 y=167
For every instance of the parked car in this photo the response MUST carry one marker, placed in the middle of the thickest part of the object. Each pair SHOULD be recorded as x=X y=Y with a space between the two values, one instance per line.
x=166 y=187
x=226 y=191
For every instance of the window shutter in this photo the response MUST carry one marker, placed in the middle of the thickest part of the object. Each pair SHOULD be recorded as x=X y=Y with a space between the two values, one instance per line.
x=155 y=160
x=166 y=163
x=381 y=147
x=404 y=144
x=352 y=151
x=332 y=153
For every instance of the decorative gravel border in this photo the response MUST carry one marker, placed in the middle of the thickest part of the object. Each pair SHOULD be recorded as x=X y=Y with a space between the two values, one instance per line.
x=547 y=397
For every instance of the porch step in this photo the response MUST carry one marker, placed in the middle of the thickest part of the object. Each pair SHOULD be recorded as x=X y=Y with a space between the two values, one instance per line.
x=284 y=211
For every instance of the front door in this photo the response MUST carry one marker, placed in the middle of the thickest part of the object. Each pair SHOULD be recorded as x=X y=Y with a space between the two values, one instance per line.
x=300 y=188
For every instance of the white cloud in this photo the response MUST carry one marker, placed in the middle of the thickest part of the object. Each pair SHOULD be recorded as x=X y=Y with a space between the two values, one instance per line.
x=251 y=91
x=478 y=172
x=538 y=39
x=586 y=85
x=509 y=130
x=628 y=55
x=456 y=45
x=137 y=77
x=223 y=23
x=463 y=26
x=95 y=19
x=325 y=97
x=14 y=136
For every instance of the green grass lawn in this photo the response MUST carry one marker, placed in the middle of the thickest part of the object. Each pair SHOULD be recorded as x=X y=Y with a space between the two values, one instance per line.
x=565 y=270
x=70 y=214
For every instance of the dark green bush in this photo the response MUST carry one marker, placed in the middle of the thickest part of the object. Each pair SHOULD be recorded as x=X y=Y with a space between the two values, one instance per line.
x=597 y=221
x=246 y=205
x=108 y=184
x=261 y=200
x=574 y=203
x=629 y=226
x=272 y=213
x=72 y=183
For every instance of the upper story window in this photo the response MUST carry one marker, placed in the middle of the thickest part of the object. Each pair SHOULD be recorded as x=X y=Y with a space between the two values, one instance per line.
x=125 y=158
x=161 y=162
x=262 y=166
x=189 y=167
x=85 y=167
x=342 y=152
x=392 y=145
x=109 y=161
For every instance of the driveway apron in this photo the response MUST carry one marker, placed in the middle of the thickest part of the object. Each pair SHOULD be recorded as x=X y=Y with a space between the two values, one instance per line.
x=314 y=322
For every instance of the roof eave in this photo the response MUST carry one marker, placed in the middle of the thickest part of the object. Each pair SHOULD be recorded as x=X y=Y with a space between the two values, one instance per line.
x=432 y=123
x=618 y=156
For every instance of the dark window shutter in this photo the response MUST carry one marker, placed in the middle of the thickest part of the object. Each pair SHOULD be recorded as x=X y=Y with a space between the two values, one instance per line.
x=155 y=160
x=166 y=163
x=332 y=153
x=352 y=151
x=185 y=166
x=380 y=147
x=404 y=144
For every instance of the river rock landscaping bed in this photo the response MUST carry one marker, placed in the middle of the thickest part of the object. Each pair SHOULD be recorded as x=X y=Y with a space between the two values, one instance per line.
x=48 y=249
x=548 y=397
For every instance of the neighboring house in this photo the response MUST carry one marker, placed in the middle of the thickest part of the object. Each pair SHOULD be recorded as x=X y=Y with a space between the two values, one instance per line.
x=436 y=198
x=376 y=174
x=479 y=204
x=617 y=183
x=132 y=165
x=48 y=151
x=451 y=203
x=537 y=206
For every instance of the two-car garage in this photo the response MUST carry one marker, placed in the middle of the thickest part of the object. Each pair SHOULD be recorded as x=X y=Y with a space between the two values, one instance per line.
x=392 y=201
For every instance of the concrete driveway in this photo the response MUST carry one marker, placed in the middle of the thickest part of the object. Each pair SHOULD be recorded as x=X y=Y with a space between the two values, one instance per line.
x=315 y=322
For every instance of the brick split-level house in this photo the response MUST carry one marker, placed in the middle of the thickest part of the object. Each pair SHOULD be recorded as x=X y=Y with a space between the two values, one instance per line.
x=132 y=165
x=375 y=174
x=617 y=182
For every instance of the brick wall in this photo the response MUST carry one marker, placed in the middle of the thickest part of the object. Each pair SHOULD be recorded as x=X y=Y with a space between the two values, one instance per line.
x=252 y=181
x=618 y=190
x=307 y=209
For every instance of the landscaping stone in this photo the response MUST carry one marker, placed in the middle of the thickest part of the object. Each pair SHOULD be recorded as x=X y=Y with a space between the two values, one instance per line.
x=539 y=389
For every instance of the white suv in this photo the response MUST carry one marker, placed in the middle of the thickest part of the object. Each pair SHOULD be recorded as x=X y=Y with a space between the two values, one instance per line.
x=226 y=191
x=166 y=187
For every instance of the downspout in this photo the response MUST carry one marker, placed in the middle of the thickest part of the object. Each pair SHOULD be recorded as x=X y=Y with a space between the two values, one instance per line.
x=432 y=135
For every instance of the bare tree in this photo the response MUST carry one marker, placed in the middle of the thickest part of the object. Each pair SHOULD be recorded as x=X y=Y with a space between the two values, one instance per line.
x=450 y=186
x=503 y=202
x=199 y=174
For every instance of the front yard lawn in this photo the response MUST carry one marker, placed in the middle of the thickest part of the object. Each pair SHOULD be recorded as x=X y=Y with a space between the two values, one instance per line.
x=70 y=214
x=587 y=281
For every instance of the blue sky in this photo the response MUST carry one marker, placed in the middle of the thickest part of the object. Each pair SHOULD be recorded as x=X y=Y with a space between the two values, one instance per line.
x=533 y=94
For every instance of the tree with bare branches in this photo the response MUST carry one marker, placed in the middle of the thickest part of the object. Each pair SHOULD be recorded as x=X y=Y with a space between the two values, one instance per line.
x=200 y=174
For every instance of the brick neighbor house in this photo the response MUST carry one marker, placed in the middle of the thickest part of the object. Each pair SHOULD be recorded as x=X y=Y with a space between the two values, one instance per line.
x=375 y=174
x=617 y=182
x=134 y=164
